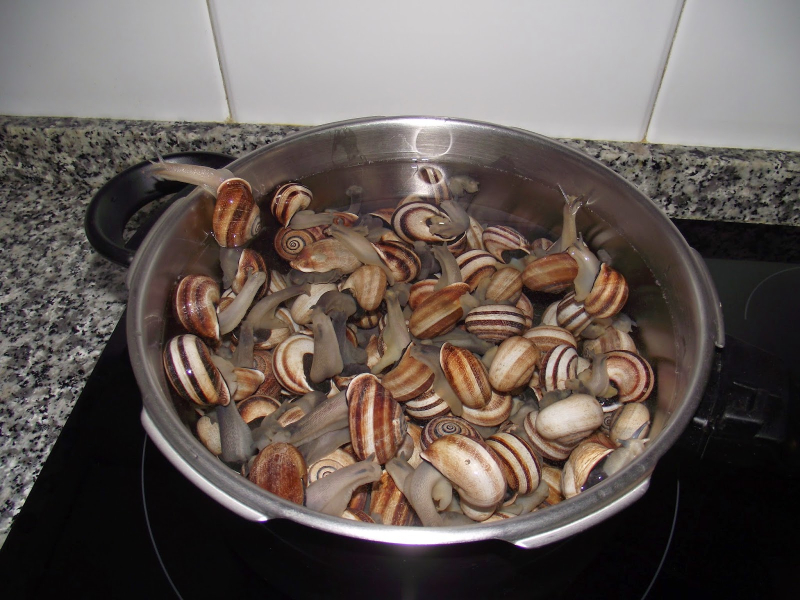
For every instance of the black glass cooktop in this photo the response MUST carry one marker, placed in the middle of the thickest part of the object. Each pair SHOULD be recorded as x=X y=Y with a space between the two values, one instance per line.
x=110 y=517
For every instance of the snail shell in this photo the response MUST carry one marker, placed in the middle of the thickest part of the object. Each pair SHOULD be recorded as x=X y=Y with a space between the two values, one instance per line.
x=288 y=363
x=368 y=284
x=466 y=374
x=248 y=381
x=291 y=242
x=547 y=337
x=628 y=420
x=288 y=199
x=552 y=274
x=280 y=468
x=470 y=467
x=525 y=305
x=475 y=265
x=426 y=406
x=377 y=425
x=447 y=425
x=257 y=407
x=552 y=476
x=580 y=463
x=262 y=360
x=250 y=262
x=558 y=366
x=327 y=465
x=389 y=502
x=474 y=235
x=513 y=364
x=500 y=238
x=190 y=371
x=608 y=295
x=196 y=299
x=439 y=312
x=495 y=322
x=276 y=336
x=612 y=339
x=357 y=514
x=549 y=449
x=574 y=417
x=505 y=286
x=494 y=413
x=409 y=379
x=517 y=459
x=303 y=305
x=208 y=433
x=402 y=261
x=419 y=291
x=572 y=315
x=325 y=255
x=631 y=374
x=237 y=218
x=410 y=222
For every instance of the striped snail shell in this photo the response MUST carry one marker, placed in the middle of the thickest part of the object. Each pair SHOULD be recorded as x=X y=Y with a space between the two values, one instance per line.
x=195 y=302
x=368 y=285
x=494 y=413
x=547 y=337
x=505 y=286
x=288 y=199
x=249 y=262
x=573 y=418
x=633 y=418
x=631 y=374
x=500 y=238
x=419 y=291
x=470 y=467
x=402 y=261
x=325 y=255
x=525 y=305
x=495 y=322
x=426 y=406
x=389 y=502
x=513 y=365
x=474 y=235
x=237 y=217
x=552 y=274
x=409 y=379
x=579 y=465
x=327 y=465
x=572 y=315
x=550 y=450
x=290 y=242
x=281 y=469
x=447 y=425
x=466 y=375
x=475 y=265
x=257 y=407
x=190 y=371
x=439 y=312
x=287 y=363
x=377 y=425
x=410 y=222
x=608 y=295
x=558 y=366
x=518 y=461
x=612 y=339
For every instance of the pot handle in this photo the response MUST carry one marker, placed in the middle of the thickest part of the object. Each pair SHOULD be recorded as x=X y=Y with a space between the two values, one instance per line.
x=127 y=193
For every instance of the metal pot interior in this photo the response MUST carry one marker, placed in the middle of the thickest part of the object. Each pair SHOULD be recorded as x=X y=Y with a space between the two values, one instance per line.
x=519 y=174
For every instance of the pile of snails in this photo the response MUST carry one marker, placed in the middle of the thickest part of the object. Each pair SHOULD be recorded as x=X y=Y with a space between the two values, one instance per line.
x=394 y=373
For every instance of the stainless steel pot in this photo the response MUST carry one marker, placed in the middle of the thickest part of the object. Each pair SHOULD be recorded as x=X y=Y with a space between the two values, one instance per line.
x=672 y=298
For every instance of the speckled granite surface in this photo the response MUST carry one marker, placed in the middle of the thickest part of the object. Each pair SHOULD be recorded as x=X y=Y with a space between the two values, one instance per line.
x=59 y=301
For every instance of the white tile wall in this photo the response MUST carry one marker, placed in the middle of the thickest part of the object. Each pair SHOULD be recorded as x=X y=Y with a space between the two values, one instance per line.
x=576 y=68
x=572 y=68
x=733 y=77
x=148 y=59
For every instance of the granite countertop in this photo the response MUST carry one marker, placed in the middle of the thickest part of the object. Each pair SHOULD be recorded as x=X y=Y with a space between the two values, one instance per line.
x=60 y=301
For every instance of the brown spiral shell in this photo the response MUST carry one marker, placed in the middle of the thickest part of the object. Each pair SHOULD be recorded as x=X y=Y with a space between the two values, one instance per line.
x=402 y=261
x=447 y=425
x=237 y=217
x=281 y=469
x=439 y=312
x=494 y=413
x=466 y=375
x=631 y=374
x=475 y=265
x=608 y=295
x=558 y=366
x=500 y=238
x=409 y=379
x=547 y=337
x=250 y=262
x=195 y=302
x=518 y=461
x=427 y=406
x=505 y=286
x=495 y=322
x=572 y=315
x=257 y=407
x=552 y=274
x=288 y=199
x=190 y=371
x=290 y=242
x=410 y=222
x=287 y=363
x=377 y=425
x=513 y=365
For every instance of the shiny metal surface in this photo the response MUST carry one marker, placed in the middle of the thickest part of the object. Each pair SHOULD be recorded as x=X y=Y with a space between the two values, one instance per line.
x=672 y=301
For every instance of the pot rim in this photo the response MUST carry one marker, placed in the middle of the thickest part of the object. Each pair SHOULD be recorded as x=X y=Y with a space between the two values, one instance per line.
x=557 y=521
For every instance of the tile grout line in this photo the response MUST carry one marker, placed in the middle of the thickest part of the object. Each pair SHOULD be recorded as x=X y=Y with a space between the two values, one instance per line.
x=219 y=62
x=663 y=72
